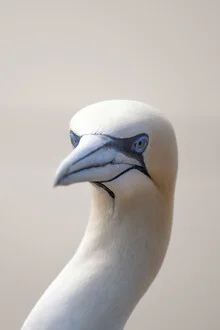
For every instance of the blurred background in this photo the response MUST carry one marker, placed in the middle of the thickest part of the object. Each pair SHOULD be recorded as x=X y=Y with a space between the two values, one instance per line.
x=55 y=58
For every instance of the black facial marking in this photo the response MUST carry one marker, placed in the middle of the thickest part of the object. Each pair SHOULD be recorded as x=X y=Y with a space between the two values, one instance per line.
x=74 y=138
x=125 y=146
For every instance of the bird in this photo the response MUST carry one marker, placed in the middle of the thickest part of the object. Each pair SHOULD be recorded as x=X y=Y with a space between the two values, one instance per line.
x=127 y=151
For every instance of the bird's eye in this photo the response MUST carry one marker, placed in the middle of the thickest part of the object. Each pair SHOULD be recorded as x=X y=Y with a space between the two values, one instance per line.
x=140 y=144
x=74 y=139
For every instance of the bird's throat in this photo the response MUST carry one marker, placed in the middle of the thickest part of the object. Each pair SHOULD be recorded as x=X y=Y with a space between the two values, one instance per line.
x=119 y=256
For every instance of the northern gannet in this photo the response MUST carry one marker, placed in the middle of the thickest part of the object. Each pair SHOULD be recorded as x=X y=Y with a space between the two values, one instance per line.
x=128 y=152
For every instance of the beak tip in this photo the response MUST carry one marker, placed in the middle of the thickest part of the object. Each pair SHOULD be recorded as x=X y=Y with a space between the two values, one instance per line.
x=56 y=182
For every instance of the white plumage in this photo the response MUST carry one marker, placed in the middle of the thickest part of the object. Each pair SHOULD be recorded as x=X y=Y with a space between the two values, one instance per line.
x=128 y=151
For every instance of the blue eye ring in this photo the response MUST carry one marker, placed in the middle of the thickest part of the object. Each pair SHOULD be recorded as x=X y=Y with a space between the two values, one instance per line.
x=74 y=139
x=140 y=144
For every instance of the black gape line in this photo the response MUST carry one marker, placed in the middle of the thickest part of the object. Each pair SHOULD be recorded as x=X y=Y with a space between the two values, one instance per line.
x=109 y=191
x=125 y=146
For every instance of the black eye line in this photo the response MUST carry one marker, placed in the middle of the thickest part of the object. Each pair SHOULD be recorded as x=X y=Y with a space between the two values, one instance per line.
x=123 y=145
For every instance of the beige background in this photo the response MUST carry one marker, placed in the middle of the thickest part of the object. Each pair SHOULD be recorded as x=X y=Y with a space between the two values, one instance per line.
x=58 y=56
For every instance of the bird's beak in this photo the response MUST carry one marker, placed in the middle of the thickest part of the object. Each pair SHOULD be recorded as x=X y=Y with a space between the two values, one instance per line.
x=95 y=159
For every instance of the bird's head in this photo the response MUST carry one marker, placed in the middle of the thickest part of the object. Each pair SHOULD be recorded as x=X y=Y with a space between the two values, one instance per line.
x=124 y=147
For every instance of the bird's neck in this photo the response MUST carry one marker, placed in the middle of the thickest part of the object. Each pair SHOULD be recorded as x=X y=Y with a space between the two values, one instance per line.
x=121 y=252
